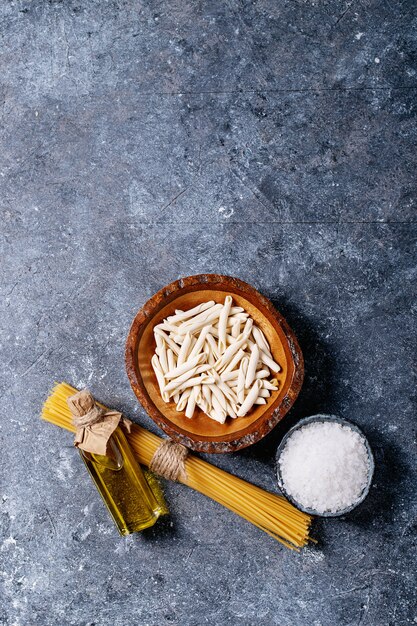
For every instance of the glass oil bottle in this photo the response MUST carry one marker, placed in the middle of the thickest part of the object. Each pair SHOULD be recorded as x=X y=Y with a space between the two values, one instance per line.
x=131 y=501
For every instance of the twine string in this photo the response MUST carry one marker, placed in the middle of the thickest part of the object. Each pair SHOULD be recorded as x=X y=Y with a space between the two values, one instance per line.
x=94 y=415
x=169 y=460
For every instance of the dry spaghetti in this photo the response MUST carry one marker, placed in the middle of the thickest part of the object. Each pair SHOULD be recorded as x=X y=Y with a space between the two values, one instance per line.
x=269 y=512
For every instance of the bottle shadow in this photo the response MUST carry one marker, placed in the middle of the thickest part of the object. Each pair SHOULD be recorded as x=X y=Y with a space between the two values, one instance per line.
x=163 y=530
x=166 y=525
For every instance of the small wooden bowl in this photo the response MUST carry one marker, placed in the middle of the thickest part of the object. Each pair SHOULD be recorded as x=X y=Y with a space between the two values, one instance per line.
x=201 y=433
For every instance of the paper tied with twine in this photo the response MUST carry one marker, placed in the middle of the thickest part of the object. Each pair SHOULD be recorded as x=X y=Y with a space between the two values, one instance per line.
x=94 y=425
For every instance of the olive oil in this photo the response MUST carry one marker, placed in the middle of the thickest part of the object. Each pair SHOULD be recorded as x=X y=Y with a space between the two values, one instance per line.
x=121 y=483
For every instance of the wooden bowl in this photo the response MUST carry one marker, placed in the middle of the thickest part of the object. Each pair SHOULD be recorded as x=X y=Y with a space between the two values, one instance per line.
x=201 y=433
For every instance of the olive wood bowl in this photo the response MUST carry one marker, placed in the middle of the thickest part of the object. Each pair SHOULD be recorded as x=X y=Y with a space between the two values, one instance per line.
x=201 y=433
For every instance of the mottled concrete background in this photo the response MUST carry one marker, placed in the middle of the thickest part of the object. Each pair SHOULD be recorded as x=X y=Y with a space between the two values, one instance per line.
x=273 y=140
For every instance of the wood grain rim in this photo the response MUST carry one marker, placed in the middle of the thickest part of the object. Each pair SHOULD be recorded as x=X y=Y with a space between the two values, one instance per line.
x=230 y=443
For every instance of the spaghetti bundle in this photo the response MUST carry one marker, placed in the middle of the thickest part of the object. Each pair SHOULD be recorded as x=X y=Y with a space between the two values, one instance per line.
x=269 y=512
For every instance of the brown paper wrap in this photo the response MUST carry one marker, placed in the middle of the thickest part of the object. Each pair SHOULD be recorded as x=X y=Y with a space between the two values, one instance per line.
x=94 y=425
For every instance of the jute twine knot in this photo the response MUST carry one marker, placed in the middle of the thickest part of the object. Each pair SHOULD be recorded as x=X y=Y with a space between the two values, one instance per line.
x=84 y=410
x=169 y=460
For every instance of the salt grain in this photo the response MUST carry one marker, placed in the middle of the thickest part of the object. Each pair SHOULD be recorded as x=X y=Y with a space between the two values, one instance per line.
x=325 y=466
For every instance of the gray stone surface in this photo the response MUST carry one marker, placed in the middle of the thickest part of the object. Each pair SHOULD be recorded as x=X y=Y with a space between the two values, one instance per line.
x=140 y=142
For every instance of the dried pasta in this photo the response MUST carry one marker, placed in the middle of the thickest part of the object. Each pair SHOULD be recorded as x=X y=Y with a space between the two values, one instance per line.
x=269 y=512
x=214 y=357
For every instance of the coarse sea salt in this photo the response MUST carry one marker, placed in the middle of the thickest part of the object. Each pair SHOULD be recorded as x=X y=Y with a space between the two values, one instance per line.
x=325 y=466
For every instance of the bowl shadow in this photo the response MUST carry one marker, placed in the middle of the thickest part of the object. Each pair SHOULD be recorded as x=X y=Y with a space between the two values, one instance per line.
x=386 y=492
x=318 y=395
x=317 y=392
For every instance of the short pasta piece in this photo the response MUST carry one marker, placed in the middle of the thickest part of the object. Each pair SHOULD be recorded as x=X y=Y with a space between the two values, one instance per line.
x=189 y=411
x=250 y=398
x=253 y=362
x=223 y=323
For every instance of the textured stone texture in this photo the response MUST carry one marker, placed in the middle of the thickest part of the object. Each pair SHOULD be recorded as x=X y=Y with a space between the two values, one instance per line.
x=140 y=142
